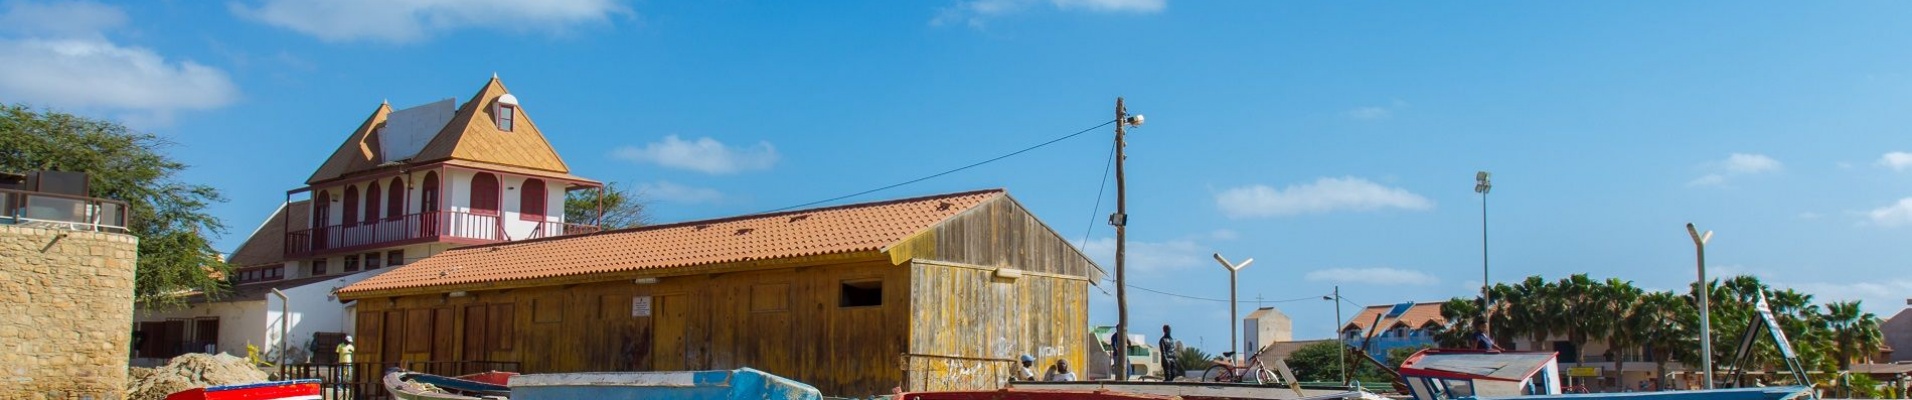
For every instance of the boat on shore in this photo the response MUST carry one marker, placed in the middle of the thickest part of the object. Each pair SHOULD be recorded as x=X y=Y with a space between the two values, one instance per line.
x=742 y=383
x=407 y=385
x=1203 y=390
x=1449 y=374
x=301 y=389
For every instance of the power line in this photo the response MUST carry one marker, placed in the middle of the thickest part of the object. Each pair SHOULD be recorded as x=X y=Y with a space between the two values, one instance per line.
x=1098 y=197
x=933 y=176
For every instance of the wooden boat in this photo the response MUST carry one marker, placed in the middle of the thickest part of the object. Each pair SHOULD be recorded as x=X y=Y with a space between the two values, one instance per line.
x=302 y=389
x=1203 y=390
x=1024 y=394
x=743 y=383
x=409 y=385
x=1446 y=374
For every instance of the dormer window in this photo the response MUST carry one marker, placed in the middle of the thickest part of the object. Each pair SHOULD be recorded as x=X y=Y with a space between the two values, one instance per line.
x=507 y=112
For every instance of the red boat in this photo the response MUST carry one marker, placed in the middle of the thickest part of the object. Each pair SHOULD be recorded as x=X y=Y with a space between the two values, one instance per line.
x=302 y=389
x=1011 y=394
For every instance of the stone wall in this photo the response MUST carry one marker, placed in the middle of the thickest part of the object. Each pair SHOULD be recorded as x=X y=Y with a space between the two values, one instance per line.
x=66 y=311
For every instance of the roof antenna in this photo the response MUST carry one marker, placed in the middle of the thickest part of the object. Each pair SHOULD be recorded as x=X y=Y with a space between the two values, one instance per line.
x=494 y=74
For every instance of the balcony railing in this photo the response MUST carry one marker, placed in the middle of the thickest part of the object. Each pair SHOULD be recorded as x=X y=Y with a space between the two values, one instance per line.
x=62 y=211
x=423 y=227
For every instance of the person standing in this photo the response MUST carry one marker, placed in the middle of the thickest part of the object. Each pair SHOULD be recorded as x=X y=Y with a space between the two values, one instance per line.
x=1171 y=356
x=1482 y=340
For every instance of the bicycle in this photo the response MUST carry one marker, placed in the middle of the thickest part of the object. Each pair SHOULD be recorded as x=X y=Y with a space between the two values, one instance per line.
x=1224 y=371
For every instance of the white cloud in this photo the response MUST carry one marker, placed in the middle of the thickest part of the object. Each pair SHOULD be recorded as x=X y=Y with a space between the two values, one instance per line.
x=1224 y=234
x=1373 y=276
x=673 y=192
x=1324 y=195
x=407 y=21
x=76 y=66
x=703 y=155
x=1149 y=256
x=1897 y=160
x=1369 y=113
x=1893 y=215
x=1736 y=164
x=1750 y=163
x=1809 y=215
x=975 y=12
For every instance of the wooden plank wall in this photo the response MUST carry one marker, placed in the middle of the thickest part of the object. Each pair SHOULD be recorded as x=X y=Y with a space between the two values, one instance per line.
x=784 y=321
x=964 y=317
x=999 y=233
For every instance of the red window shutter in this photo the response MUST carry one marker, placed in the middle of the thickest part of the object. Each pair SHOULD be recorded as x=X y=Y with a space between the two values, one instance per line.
x=351 y=205
x=531 y=200
x=371 y=203
x=395 y=200
x=484 y=194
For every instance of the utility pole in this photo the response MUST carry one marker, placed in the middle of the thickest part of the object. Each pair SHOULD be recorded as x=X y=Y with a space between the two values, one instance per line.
x=1483 y=184
x=1233 y=269
x=1121 y=221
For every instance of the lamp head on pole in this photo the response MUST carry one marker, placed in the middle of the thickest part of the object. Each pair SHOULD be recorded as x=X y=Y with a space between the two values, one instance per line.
x=1699 y=239
x=1132 y=120
x=1483 y=182
x=1233 y=266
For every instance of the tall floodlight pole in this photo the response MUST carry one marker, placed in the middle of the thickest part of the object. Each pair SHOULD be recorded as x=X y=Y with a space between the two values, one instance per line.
x=1120 y=219
x=1482 y=185
x=1706 y=326
x=1338 y=338
x=1233 y=269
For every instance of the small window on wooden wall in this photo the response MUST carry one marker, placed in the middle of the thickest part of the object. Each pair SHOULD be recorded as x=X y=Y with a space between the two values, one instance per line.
x=860 y=293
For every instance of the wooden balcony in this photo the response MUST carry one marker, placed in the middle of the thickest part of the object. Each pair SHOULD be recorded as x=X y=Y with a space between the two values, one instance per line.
x=427 y=227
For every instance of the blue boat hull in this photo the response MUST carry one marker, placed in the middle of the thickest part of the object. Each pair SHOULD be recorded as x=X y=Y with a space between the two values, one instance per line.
x=1757 y=393
x=740 y=384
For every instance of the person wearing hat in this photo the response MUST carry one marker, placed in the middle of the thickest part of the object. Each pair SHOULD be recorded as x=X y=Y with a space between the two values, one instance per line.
x=345 y=350
x=1023 y=373
x=1059 y=372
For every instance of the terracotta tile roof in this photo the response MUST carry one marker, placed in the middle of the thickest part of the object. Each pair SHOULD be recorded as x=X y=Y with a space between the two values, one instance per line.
x=359 y=152
x=473 y=135
x=267 y=244
x=865 y=227
x=1417 y=316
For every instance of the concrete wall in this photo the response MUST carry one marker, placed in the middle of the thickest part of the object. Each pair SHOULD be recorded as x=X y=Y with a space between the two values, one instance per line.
x=312 y=309
x=66 y=307
x=239 y=322
x=1898 y=334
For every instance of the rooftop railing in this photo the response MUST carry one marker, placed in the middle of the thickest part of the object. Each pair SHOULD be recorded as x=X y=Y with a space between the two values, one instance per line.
x=61 y=211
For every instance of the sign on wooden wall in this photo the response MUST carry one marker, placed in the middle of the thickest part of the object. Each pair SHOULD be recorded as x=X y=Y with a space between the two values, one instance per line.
x=641 y=306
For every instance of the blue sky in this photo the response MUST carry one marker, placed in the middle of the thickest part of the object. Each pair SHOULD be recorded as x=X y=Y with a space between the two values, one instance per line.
x=1333 y=142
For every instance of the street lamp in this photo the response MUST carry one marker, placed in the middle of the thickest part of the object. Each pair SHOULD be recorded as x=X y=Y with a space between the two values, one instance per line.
x=1338 y=338
x=1234 y=343
x=1483 y=184
x=1706 y=326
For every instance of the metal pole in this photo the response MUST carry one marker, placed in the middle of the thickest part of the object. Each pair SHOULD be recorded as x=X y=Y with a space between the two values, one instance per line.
x=1232 y=316
x=285 y=328
x=1120 y=220
x=1338 y=337
x=1706 y=326
x=1486 y=302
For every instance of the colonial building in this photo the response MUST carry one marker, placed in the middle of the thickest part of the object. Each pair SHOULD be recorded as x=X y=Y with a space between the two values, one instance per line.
x=405 y=184
x=937 y=292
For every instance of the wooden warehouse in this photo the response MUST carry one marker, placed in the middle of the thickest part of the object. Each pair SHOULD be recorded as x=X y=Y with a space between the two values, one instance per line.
x=937 y=292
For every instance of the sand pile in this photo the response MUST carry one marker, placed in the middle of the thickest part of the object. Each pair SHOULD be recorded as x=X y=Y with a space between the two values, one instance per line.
x=187 y=372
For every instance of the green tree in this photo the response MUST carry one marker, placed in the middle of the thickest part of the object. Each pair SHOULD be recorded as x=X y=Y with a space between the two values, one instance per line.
x=168 y=216
x=1661 y=322
x=1856 y=332
x=1194 y=359
x=622 y=209
x=1618 y=301
x=1321 y=362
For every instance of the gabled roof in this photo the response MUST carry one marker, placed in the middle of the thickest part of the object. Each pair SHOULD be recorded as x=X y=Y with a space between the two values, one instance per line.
x=267 y=244
x=1420 y=315
x=359 y=152
x=847 y=229
x=471 y=135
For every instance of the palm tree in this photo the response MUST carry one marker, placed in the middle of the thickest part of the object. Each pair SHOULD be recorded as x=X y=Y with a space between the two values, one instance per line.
x=1664 y=322
x=1856 y=332
x=1578 y=304
x=1460 y=314
x=1620 y=301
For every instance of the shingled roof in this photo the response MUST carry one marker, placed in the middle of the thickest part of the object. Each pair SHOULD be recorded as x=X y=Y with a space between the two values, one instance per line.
x=1420 y=315
x=267 y=244
x=471 y=135
x=847 y=229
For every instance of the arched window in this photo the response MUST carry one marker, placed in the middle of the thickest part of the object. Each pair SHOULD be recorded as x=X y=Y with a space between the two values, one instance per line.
x=351 y=205
x=322 y=209
x=531 y=200
x=395 y=200
x=429 y=195
x=484 y=194
x=371 y=203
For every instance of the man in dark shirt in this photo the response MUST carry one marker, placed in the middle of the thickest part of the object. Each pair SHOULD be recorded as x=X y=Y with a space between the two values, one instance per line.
x=1482 y=340
x=1171 y=359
